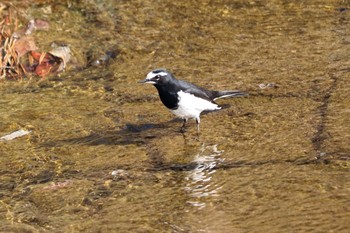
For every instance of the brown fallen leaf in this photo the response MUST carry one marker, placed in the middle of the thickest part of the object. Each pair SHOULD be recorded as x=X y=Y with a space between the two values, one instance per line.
x=36 y=24
x=45 y=63
x=24 y=45
x=43 y=69
x=33 y=25
x=49 y=62
x=41 y=24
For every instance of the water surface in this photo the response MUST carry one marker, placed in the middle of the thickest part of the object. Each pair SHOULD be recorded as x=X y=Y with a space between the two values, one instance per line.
x=104 y=155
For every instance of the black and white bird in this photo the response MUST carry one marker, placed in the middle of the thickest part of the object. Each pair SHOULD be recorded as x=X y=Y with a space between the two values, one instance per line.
x=185 y=99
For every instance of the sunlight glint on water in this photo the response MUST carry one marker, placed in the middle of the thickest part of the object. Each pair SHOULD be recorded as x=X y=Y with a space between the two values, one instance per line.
x=201 y=185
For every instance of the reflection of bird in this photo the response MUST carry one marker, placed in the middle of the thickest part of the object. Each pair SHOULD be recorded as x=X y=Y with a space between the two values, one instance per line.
x=184 y=99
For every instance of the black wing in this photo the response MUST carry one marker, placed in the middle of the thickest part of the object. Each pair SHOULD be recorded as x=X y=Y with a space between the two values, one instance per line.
x=196 y=90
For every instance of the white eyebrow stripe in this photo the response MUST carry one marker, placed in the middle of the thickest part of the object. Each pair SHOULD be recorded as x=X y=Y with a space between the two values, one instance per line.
x=152 y=75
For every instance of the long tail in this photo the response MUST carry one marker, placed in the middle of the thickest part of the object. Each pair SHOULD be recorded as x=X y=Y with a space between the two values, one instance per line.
x=224 y=94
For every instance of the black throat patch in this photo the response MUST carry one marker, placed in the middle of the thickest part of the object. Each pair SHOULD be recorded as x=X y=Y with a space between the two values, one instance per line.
x=168 y=96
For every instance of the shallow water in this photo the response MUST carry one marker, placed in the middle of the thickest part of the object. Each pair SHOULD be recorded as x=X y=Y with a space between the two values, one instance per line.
x=103 y=154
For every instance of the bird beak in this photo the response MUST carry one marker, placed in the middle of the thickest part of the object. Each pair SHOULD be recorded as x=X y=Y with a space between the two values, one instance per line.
x=147 y=81
x=143 y=81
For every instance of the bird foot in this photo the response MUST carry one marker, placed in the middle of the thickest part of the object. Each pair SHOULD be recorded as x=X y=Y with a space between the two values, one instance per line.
x=182 y=130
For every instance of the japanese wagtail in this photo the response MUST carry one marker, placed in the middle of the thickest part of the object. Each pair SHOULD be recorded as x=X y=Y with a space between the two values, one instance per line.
x=184 y=99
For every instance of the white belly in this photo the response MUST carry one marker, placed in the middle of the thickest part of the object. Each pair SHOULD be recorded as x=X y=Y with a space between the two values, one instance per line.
x=191 y=106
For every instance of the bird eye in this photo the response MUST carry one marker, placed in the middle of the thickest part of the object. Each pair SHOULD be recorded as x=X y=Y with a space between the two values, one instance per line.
x=157 y=77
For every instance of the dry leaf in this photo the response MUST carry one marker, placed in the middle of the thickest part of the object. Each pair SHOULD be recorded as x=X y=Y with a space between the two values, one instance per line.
x=25 y=45
x=63 y=53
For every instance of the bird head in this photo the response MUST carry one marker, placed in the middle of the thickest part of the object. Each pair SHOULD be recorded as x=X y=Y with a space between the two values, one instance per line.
x=157 y=77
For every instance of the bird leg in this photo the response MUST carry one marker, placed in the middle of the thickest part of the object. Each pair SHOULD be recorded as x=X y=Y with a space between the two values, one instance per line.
x=198 y=122
x=183 y=126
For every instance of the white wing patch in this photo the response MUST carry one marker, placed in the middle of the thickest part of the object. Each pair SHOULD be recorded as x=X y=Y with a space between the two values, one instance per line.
x=191 y=106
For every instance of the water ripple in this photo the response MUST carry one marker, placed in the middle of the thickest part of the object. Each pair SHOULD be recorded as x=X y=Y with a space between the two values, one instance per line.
x=200 y=184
